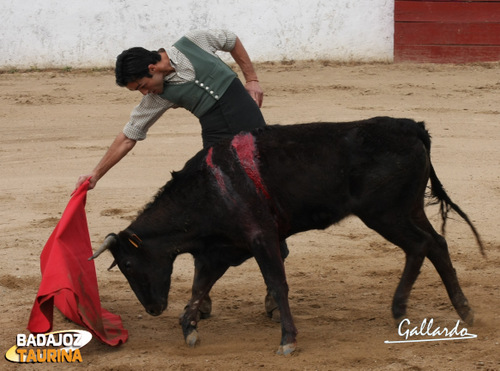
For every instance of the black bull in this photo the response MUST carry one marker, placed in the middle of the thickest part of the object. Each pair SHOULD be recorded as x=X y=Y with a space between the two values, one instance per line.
x=243 y=196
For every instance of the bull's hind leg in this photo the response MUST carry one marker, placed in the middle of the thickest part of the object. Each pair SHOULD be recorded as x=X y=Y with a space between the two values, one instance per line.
x=411 y=271
x=401 y=231
x=439 y=255
x=416 y=236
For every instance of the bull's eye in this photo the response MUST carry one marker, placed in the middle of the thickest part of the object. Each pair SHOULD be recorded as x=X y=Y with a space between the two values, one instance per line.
x=128 y=266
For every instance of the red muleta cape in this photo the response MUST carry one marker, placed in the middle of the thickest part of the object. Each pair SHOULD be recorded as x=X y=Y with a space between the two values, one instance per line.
x=69 y=279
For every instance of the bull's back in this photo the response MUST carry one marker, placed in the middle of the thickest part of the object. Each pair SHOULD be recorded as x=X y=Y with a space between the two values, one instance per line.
x=318 y=173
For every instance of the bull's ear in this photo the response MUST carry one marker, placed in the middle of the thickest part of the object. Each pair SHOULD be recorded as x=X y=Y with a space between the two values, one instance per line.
x=112 y=265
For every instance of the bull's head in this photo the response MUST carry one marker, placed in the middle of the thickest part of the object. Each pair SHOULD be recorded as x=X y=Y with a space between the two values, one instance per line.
x=148 y=272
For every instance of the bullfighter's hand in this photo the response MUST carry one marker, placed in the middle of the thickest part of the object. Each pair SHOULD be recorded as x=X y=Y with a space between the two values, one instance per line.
x=82 y=179
x=255 y=91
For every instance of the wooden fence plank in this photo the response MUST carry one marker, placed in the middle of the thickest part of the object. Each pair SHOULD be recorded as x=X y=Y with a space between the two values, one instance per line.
x=447 y=33
x=448 y=1
x=446 y=53
x=453 y=12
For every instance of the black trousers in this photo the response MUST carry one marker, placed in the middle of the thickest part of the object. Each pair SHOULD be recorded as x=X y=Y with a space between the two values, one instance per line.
x=233 y=113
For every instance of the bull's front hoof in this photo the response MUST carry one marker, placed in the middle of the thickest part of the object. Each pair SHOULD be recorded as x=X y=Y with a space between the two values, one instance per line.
x=193 y=339
x=287 y=349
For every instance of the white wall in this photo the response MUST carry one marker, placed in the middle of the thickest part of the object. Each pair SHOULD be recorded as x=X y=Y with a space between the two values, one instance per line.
x=91 y=33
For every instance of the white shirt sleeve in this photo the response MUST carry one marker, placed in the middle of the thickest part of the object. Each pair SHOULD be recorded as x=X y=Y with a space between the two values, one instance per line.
x=145 y=115
x=213 y=40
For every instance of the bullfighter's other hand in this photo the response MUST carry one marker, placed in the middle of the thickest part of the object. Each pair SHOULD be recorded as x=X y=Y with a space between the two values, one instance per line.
x=255 y=91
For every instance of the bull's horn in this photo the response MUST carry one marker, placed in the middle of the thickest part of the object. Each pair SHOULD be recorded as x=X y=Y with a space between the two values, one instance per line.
x=110 y=239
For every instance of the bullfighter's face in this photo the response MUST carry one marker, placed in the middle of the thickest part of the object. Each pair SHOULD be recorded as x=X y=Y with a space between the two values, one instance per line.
x=148 y=85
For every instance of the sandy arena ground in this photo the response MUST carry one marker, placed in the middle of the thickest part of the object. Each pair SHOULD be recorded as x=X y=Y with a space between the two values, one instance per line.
x=56 y=125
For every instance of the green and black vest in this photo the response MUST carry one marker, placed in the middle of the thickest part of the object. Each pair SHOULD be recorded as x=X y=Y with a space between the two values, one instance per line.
x=212 y=79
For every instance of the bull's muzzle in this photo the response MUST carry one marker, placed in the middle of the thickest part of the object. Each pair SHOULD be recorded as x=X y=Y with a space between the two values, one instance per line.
x=155 y=309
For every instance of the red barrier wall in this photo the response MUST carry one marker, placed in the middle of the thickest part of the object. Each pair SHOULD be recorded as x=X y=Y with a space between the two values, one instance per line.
x=447 y=31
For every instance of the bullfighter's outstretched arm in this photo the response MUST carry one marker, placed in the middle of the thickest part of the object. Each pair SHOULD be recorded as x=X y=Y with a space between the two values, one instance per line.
x=118 y=149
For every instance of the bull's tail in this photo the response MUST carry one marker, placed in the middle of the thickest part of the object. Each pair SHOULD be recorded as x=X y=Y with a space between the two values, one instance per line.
x=439 y=194
x=446 y=204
